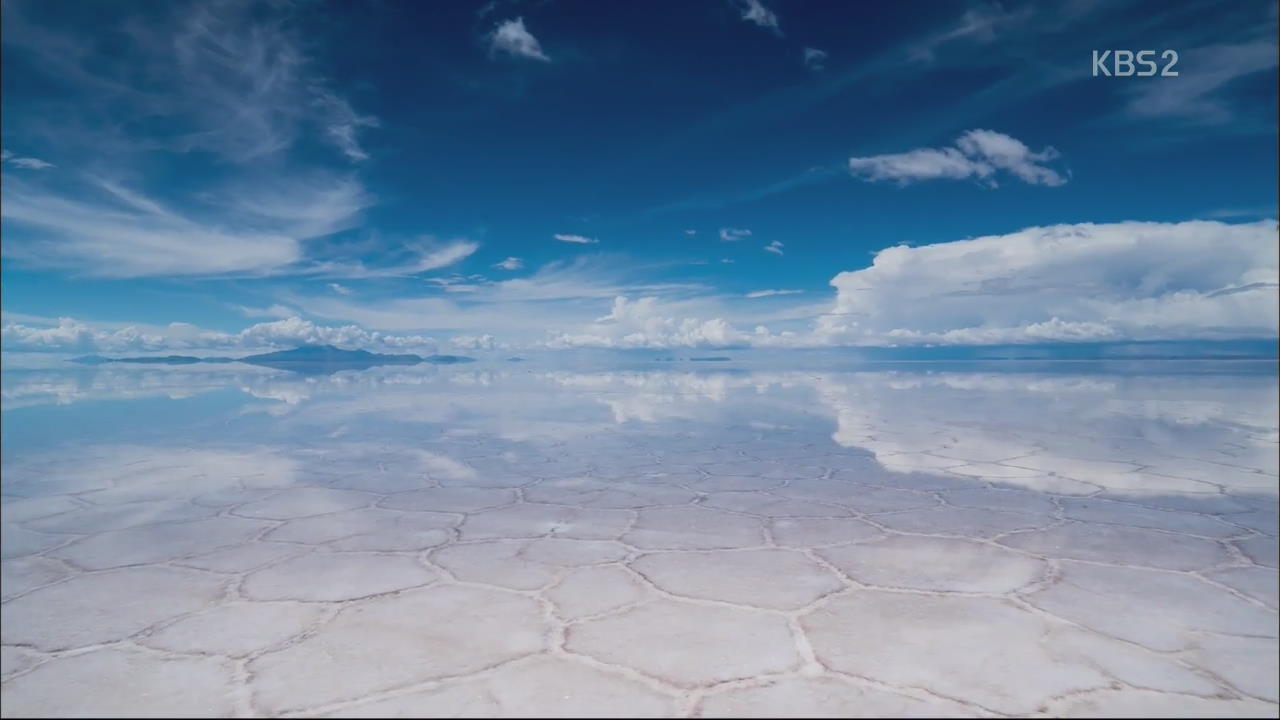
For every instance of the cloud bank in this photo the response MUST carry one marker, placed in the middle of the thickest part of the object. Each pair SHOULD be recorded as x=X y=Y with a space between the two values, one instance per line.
x=1128 y=281
x=71 y=335
x=1063 y=283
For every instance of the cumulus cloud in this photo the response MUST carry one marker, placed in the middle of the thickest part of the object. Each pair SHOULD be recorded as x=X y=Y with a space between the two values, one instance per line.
x=511 y=37
x=733 y=234
x=648 y=323
x=476 y=342
x=1064 y=283
x=71 y=335
x=511 y=263
x=815 y=59
x=754 y=11
x=771 y=293
x=978 y=154
x=774 y=247
x=575 y=239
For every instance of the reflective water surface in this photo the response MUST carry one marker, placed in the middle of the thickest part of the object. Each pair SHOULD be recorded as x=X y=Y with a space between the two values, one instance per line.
x=511 y=539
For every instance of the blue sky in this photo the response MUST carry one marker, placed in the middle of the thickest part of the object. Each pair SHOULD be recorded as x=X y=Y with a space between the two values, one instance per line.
x=605 y=174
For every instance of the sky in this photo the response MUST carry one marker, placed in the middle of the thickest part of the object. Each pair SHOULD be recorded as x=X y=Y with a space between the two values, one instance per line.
x=561 y=174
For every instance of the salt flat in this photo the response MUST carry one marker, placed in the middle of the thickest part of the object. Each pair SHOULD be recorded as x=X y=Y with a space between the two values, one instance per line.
x=684 y=542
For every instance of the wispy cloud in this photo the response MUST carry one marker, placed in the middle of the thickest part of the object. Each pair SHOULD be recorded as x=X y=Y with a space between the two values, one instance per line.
x=978 y=154
x=412 y=258
x=273 y=311
x=575 y=239
x=107 y=229
x=233 y=90
x=733 y=234
x=343 y=123
x=979 y=24
x=815 y=59
x=511 y=263
x=512 y=38
x=1197 y=96
x=340 y=289
x=774 y=247
x=26 y=163
x=771 y=293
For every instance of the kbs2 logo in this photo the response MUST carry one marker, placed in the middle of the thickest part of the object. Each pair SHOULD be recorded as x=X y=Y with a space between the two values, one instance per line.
x=1125 y=63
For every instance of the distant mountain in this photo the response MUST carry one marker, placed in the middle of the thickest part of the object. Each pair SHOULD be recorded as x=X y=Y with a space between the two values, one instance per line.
x=447 y=359
x=330 y=355
x=307 y=358
x=148 y=360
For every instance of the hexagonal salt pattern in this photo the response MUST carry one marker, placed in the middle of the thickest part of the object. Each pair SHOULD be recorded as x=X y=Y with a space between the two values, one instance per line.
x=900 y=558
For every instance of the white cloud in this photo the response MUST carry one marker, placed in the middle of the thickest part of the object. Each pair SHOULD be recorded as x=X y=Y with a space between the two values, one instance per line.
x=28 y=163
x=71 y=335
x=1118 y=281
x=727 y=261
x=754 y=11
x=733 y=234
x=576 y=239
x=559 y=297
x=771 y=293
x=1006 y=153
x=690 y=233
x=476 y=342
x=228 y=90
x=649 y=323
x=1195 y=280
x=511 y=37
x=109 y=230
x=343 y=123
x=457 y=284
x=277 y=311
x=980 y=24
x=340 y=289
x=774 y=247
x=815 y=59
x=511 y=263
x=415 y=257
x=1195 y=96
x=122 y=236
x=237 y=75
x=979 y=154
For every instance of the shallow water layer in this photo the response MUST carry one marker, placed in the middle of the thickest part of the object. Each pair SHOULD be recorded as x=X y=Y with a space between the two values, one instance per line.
x=520 y=540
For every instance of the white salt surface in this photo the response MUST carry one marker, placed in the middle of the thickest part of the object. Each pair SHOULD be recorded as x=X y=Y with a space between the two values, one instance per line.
x=493 y=542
